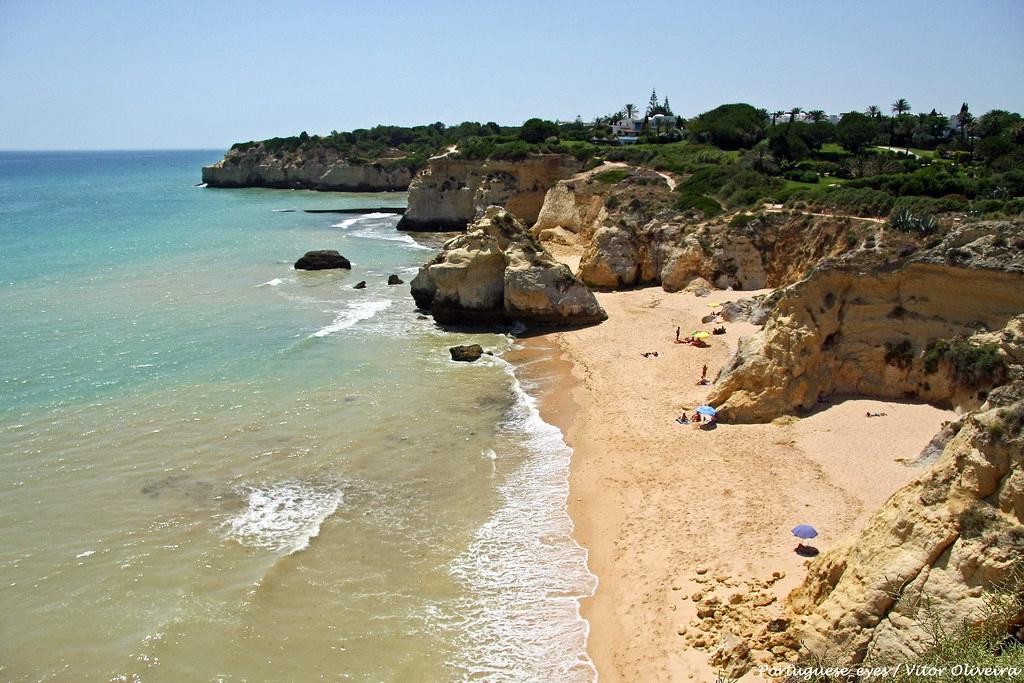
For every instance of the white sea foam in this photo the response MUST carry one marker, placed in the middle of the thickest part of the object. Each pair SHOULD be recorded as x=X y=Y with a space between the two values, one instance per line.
x=360 y=310
x=283 y=517
x=524 y=571
x=271 y=283
x=349 y=222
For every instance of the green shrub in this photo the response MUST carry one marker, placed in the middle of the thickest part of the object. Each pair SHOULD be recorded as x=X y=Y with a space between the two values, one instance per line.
x=693 y=201
x=899 y=355
x=971 y=365
x=904 y=221
x=611 y=177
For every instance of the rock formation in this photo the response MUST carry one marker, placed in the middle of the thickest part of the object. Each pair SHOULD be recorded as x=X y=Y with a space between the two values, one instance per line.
x=466 y=353
x=930 y=328
x=451 y=192
x=631 y=234
x=395 y=280
x=497 y=273
x=322 y=168
x=930 y=552
x=322 y=260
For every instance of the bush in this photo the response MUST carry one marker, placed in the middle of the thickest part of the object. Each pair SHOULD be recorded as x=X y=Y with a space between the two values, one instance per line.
x=691 y=201
x=611 y=177
x=971 y=365
x=904 y=221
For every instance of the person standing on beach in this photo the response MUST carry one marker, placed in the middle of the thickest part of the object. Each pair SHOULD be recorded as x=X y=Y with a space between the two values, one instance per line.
x=704 y=373
x=677 y=334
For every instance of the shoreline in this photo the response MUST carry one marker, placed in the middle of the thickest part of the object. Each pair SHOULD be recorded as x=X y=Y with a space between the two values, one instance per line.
x=666 y=511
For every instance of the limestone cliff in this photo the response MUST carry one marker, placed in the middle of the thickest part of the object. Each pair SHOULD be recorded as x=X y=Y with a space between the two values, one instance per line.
x=451 y=192
x=496 y=273
x=631 y=234
x=920 y=328
x=929 y=552
x=322 y=168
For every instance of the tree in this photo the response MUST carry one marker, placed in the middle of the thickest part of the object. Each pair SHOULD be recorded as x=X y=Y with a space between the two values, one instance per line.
x=816 y=115
x=964 y=120
x=730 y=126
x=668 y=109
x=538 y=130
x=856 y=131
x=776 y=114
x=874 y=112
x=630 y=110
x=652 y=104
x=900 y=107
x=760 y=159
x=792 y=114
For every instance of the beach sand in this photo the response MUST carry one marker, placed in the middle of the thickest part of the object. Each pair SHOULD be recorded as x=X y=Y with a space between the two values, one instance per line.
x=666 y=510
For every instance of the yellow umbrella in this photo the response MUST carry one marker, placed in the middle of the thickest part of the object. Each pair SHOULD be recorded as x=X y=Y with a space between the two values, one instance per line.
x=714 y=305
x=701 y=334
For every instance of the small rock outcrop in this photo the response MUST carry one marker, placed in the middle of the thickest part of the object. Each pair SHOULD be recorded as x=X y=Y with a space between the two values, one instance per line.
x=466 y=354
x=497 y=273
x=359 y=285
x=323 y=259
x=451 y=192
x=395 y=280
x=319 y=168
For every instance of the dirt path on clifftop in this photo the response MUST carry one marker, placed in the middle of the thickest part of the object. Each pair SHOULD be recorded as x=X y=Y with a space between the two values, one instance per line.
x=656 y=502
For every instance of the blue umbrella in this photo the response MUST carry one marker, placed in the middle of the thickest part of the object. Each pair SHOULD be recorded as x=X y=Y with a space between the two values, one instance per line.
x=804 y=531
x=708 y=410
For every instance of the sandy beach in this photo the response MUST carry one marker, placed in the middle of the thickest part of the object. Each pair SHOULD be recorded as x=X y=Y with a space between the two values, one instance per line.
x=668 y=511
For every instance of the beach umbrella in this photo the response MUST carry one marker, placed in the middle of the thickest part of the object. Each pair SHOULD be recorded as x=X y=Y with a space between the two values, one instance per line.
x=803 y=531
x=700 y=334
x=710 y=411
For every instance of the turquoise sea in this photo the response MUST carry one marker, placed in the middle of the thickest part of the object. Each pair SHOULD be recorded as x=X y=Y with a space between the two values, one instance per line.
x=216 y=468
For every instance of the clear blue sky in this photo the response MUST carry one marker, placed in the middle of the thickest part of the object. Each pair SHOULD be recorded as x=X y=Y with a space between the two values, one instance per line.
x=124 y=75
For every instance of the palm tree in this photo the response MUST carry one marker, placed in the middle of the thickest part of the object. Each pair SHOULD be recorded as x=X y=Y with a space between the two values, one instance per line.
x=776 y=114
x=792 y=114
x=630 y=110
x=901 y=107
x=874 y=112
x=816 y=115
x=760 y=159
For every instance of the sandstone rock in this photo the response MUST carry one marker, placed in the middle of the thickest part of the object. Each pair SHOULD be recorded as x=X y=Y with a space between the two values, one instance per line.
x=452 y=192
x=497 y=273
x=359 y=285
x=395 y=280
x=846 y=331
x=732 y=655
x=322 y=260
x=467 y=354
x=934 y=542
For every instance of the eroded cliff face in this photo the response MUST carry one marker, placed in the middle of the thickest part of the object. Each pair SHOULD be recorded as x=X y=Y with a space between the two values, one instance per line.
x=452 y=192
x=496 y=273
x=930 y=328
x=930 y=552
x=319 y=169
x=631 y=235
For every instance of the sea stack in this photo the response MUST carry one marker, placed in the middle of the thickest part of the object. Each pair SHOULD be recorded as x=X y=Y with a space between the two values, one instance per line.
x=498 y=274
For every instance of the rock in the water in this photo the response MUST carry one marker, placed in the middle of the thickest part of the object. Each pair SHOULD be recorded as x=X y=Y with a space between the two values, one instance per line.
x=467 y=353
x=322 y=260
x=359 y=285
x=497 y=273
x=395 y=280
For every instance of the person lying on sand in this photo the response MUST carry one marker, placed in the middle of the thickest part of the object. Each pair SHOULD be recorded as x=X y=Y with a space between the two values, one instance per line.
x=685 y=340
x=871 y=414
x=683 y=419
x=649 y=354
x=703 y=381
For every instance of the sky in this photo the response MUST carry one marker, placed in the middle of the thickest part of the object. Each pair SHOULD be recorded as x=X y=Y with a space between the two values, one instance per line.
x=191 y=75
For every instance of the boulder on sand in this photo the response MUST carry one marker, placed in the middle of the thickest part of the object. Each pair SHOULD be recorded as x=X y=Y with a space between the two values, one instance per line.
x=322 y=260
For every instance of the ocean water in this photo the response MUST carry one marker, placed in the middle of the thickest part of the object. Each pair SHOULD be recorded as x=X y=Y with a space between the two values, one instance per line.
x=216 y=468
